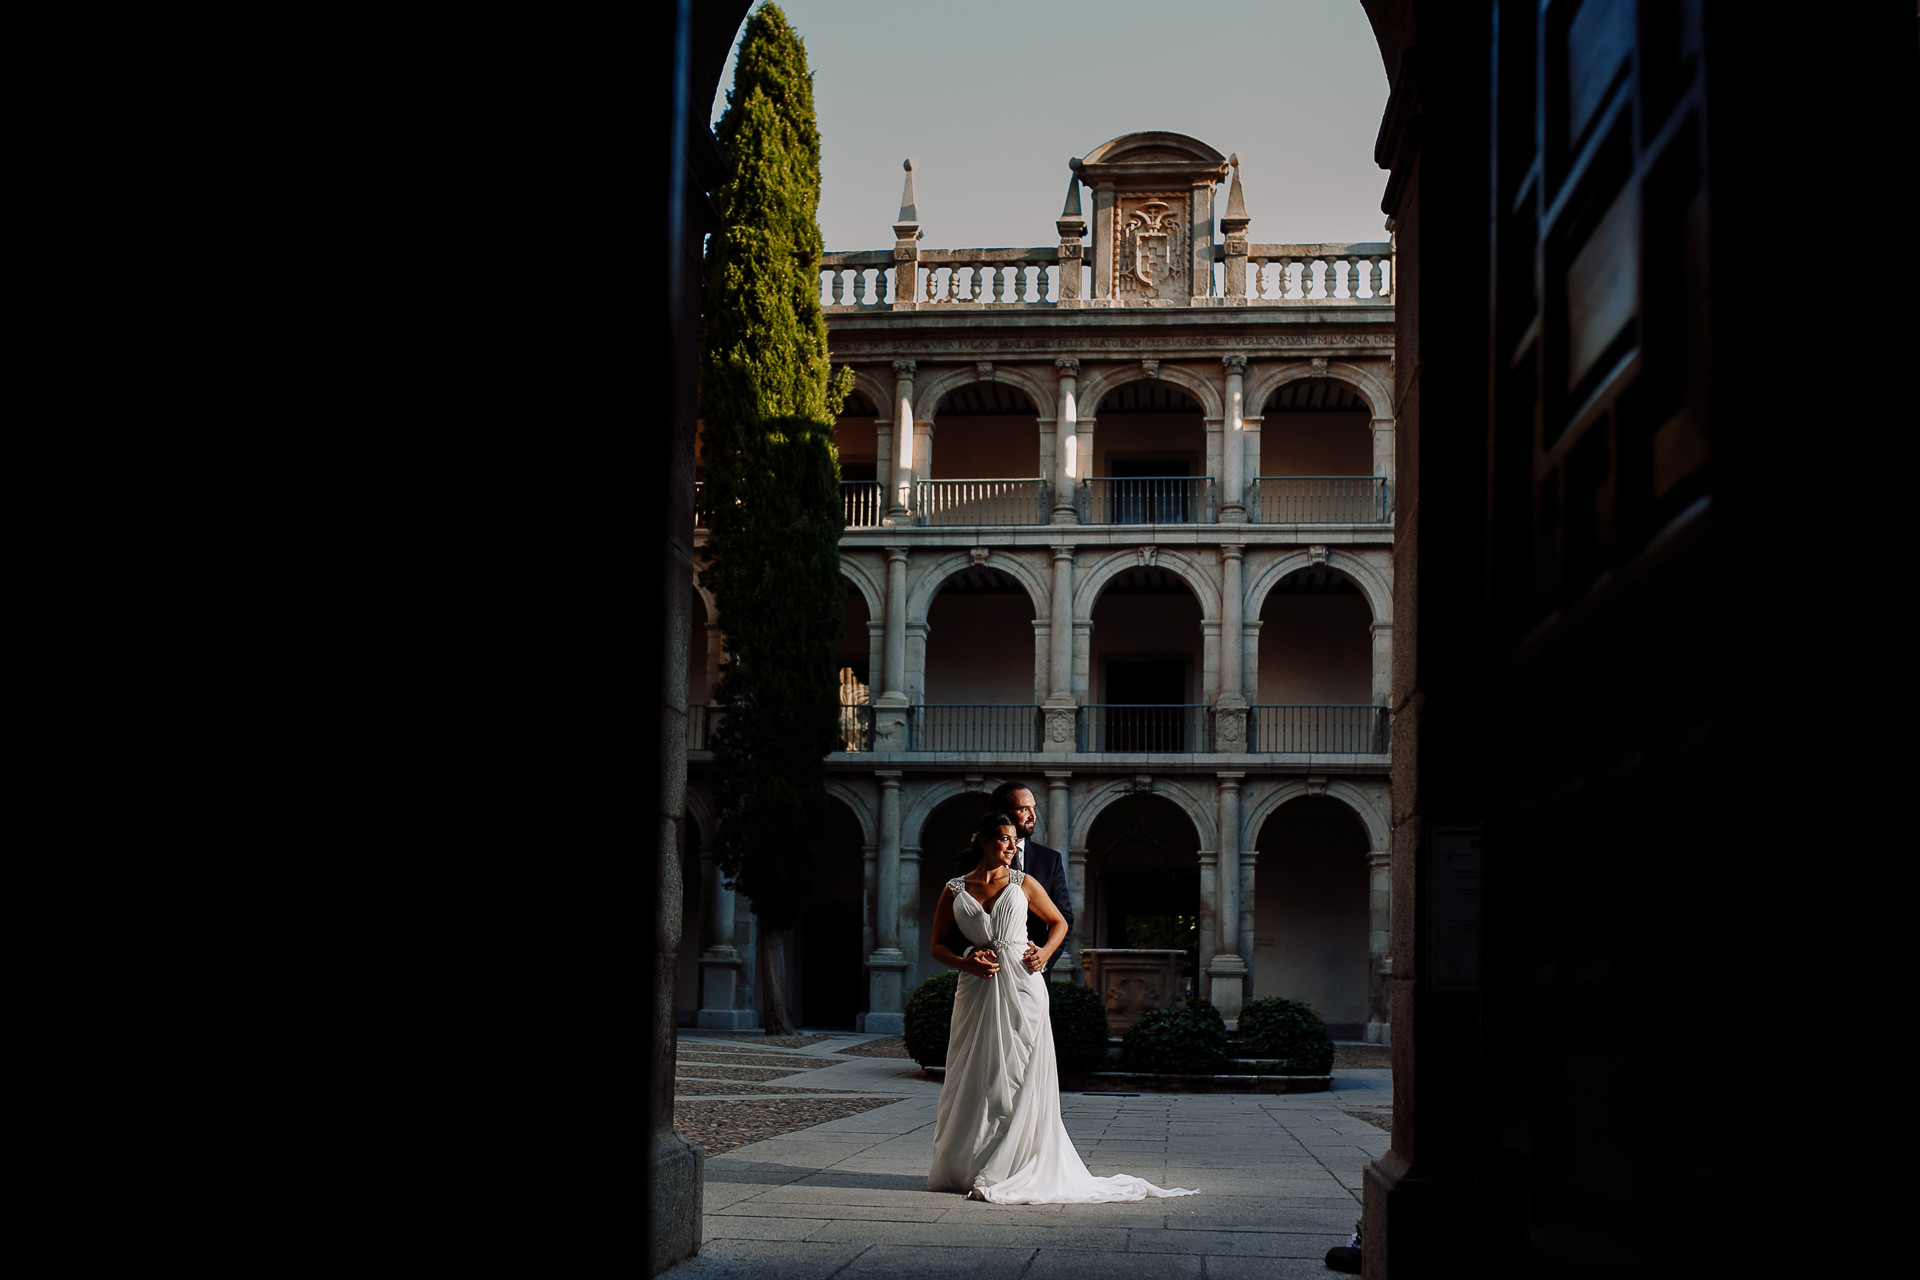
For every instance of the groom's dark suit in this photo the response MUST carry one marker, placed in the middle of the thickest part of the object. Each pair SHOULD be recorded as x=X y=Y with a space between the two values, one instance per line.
x=1050 y=869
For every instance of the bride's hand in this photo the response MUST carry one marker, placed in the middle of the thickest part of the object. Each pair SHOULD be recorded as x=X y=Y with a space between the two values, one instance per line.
x=982 y=963
x=1035 y=959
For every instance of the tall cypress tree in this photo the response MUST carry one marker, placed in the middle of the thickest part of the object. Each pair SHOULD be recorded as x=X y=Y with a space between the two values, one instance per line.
x=770 y=493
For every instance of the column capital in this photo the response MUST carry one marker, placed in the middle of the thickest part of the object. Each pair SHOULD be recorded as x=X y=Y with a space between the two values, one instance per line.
x=1063 y=551
x=1230 y=781
x=1235 y=363
x=1233 y=550
x=889 y=778
x=1064 y=775
x=1067 y=365
x=905 y=368
x=896 y=555
x=1379 y=858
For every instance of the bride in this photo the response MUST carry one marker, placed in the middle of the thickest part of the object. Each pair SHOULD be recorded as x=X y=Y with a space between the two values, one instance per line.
x=997 y=1134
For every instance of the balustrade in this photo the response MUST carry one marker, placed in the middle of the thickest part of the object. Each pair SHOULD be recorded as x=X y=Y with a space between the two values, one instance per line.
x=864 y=501
x=1319 y=500
x=1133 y=727
x=974 y=727
x=1319 y=730
x=980 y=502
x=1279 y=274
x=1147 y=500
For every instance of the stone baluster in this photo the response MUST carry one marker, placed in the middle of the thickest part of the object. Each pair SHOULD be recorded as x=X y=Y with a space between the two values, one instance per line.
x=1257 y=285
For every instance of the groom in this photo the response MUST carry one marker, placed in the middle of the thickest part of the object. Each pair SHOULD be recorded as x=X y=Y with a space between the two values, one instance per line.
x=1043 y=864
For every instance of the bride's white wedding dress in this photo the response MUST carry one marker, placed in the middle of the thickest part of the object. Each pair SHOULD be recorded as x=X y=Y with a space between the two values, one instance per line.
x=997 y=1134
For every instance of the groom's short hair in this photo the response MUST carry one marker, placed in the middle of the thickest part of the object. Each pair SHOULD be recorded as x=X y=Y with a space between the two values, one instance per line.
x=1002 y=798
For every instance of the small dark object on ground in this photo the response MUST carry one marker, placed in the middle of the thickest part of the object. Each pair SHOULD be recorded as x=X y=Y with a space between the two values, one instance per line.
x=1341 y=1258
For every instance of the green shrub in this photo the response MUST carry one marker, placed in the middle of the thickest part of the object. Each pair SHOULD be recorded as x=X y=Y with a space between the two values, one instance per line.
x=1079 y=1026
x=1189 y=1039
x=1288 y=1030
x=929 y=1018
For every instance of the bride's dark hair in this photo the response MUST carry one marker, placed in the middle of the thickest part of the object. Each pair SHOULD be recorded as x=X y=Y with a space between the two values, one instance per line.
x=988 y=828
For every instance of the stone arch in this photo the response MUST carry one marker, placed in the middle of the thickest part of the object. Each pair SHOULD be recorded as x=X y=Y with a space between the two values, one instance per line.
x=1087 y=590
x=1199 y=809
x=1266 y=381
x=869 y=586
x=927 y=584
x=931 y=797
x=938 y=385
x=843 y=790
x=1363 y=575
x=882 y=396
x=1256 y=814
x=1096 y=385
x=702 y=810
x=712 y=605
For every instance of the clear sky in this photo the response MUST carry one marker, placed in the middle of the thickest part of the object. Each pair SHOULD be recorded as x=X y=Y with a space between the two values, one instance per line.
x=991 y=98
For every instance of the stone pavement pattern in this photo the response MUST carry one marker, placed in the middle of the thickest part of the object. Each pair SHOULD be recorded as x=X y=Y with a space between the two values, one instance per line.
x=1279 y=1180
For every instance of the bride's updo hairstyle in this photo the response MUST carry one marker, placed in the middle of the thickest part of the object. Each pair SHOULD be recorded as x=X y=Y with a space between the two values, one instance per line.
x=988 y=828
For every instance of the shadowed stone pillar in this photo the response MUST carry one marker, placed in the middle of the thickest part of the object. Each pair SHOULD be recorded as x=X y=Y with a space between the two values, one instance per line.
x=1059 y=822
x=721 y=963
x=1233 y=454
x=1066 y=463
x=1380 y=691
x=1228 y=970
x=1230 y=708
x=1059 y=710
x=890 y=708
x=902 y=479
x=886 y=967
x=1209 y=921
x=1379 y=940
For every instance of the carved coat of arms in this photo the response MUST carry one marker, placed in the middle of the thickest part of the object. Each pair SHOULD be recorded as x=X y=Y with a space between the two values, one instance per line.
x=1152 y=249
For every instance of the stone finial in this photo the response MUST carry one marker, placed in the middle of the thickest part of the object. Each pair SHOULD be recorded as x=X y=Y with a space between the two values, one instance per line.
x=1235 y=221
x=1071 y=223
x=907 y=225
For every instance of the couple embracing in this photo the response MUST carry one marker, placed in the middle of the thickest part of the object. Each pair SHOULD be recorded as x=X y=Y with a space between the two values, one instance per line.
x=997 y=1134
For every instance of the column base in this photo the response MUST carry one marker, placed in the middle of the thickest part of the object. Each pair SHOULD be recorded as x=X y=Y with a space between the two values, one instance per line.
x=727 y=1019
x=1380 y=1033
x=678 y=1177
x=882 y=1024
x=1229 y=974
x=886 y=996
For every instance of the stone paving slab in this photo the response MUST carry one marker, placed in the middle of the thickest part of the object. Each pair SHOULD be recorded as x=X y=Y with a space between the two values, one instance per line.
x=1279 y=1177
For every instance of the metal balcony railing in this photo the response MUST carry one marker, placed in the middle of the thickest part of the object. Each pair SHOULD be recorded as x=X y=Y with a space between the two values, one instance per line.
x=1138 y=727
x=974 y=727
x=1319 y=500
x=865 y=502
x=702 y=720
x=1320 y=730
x=980 y=502
x=1147 y=500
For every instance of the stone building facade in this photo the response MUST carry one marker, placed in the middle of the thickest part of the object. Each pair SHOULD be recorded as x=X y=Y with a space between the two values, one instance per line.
x=1120 y=526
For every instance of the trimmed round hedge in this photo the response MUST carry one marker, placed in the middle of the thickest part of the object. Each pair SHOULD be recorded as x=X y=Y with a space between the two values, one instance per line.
x=1188 y=1039
x=1079 y=1026
x=929 y=1018
x=1288 y=1030
x=1079 y=1023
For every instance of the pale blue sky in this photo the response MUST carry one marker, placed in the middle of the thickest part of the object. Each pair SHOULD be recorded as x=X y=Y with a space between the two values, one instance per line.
x=991 y=97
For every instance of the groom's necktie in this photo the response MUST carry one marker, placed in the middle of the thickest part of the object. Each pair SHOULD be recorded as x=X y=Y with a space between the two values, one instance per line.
x=1020 y=856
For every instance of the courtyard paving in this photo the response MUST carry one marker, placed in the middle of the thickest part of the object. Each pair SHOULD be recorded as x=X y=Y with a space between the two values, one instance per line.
x=1278 y=1175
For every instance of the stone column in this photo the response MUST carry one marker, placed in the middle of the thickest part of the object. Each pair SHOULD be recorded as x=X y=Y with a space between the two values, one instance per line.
x=899 y=500
x=1383 y=452
x=1209 y=921
x=886 y=966
x=1066 y=463
x=1060 y=705
x=1380 y=690
x=910 y=945
x=1230 y=709
x=720 y=964
x=890 y=708
x=1058 y=824
x=1233 y=464
x=922 y=458
x=1379 y=950
x=1228 y=970
x=1250 y=465
x=1083 y=913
